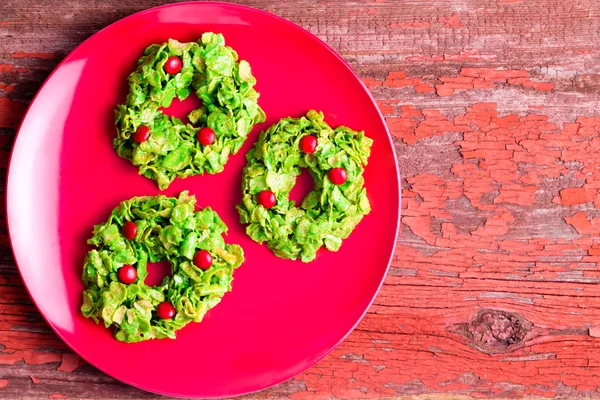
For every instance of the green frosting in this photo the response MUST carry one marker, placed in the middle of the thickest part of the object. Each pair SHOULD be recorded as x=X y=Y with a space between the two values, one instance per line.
x=230 y=109
x=167 y=229
x=330 y=212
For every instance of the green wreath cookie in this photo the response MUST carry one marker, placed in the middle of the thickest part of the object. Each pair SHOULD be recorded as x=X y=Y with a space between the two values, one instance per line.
x=163 y=147
x=334 y=157
x=152 y=229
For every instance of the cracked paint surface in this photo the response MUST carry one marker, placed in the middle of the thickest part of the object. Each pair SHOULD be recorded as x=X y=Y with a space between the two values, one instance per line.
x=468 y=78
x=493 y=288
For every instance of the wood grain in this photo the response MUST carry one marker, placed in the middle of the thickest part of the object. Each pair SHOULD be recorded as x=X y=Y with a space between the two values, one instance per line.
x=494 y=284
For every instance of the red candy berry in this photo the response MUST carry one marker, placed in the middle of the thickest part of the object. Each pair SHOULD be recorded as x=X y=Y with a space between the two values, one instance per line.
x=142 y=134
x=203 y=259
x=308 y=144
x=267 y=199
x=173 y=65
x=337 y=176
x=129 y=230
x=127 y=274
x=206 y=136
x=165 y=310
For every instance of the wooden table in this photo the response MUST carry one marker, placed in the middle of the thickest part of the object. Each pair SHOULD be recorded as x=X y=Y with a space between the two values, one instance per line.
x=494 y=284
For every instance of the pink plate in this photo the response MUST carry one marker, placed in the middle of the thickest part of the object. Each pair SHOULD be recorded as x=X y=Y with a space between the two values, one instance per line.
x=282 y=316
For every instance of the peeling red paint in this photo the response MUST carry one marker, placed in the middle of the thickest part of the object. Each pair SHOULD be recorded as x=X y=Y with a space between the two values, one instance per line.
x=6 y=88
x=410 y=24
x=43 y=56
x=466 y=55
x=452 y=21
x=487 y=78
x=28 y=356
x=469 y=55
x=398 y=79
x=364 y=11
x=582 y=224
x=424 y=88
x=386 y=107
x=69 y=363
x=371 y=83
x=505 y=157
x=10 y=68
x=420 y=225
x=468 y=79
x=571 y=196
x=421 y=58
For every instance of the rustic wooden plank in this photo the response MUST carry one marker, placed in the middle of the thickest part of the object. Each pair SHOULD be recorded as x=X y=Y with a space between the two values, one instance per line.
x=494 y=283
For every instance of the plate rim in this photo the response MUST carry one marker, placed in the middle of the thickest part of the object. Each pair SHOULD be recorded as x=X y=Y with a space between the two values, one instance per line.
x=291 y=24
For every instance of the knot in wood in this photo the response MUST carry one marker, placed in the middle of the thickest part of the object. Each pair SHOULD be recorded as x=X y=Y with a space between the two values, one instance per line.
x=495 y=331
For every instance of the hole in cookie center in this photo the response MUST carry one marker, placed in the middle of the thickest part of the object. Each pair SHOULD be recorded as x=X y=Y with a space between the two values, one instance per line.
x=181 y=109
x=157 y=272
x=304 y=185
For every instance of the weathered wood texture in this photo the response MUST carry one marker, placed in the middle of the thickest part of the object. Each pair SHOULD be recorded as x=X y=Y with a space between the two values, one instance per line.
x=493 y=105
